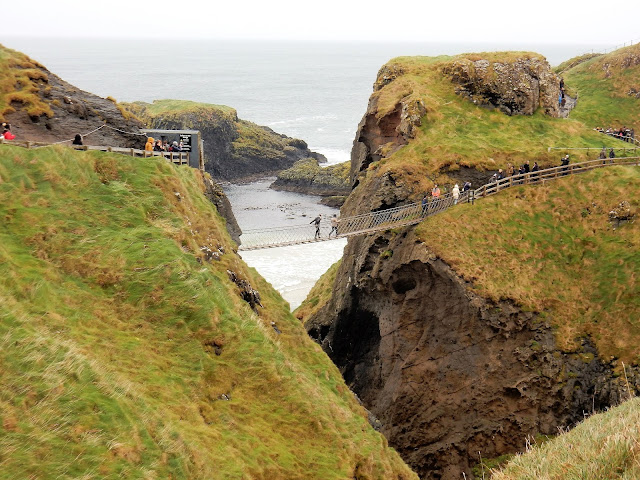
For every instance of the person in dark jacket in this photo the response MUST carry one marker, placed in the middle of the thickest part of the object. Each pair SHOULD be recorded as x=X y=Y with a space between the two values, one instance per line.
x=612 y=155
x=565 y=162
x=77 y=140
x=316 y=221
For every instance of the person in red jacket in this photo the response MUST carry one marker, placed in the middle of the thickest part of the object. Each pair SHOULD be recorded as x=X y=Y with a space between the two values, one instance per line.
x=7 y=132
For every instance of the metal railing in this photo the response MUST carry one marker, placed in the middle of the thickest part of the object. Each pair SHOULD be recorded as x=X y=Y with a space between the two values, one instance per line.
x=542 y=176
x=410 y=214
x=347 y=226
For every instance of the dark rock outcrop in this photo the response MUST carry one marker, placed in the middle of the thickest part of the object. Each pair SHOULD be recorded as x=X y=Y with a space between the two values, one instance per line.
x=379 y=136
x=448 y=373
x=234 y=149
x=306 y=176
x=216 y=195
x=73 y=111
x=516 y=87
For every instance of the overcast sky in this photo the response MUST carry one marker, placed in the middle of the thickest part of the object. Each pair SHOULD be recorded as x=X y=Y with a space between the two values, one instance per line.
x=586 y=22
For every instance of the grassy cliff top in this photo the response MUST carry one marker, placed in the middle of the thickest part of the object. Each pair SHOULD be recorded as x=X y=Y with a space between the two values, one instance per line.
x=456 y=133
x=603 y=446
x=605 y=84
x=21 y=79
x=552 y=249
x=124 y=353
x=169 y=108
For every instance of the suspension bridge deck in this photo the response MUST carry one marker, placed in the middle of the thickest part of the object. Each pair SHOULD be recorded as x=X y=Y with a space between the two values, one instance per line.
x=411 y=214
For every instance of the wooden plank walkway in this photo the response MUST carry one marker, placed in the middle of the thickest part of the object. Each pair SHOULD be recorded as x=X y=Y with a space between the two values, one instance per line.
x=412 y=214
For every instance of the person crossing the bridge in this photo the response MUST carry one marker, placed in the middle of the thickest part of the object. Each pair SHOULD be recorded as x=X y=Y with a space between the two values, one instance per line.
x=455 y=193
x=334 y=225
x=435 y=194
x=316 y=221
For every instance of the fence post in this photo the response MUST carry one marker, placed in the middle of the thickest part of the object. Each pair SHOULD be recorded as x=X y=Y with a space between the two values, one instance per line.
x=133 y=153
x=29 y=145
x=473 y=197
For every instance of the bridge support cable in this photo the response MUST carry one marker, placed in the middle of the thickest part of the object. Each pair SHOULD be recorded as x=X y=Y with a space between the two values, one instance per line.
x=411 y=214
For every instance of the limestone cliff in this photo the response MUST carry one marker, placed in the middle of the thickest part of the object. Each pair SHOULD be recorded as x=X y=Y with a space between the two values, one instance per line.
x=234 y=149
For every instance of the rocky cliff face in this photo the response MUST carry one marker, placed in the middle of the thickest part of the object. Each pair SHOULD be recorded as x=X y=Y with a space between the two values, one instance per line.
x=517 y=87
x=379 y=136
x=448 y=373
x=306 y=176
x=63 y=110
x=234 y=149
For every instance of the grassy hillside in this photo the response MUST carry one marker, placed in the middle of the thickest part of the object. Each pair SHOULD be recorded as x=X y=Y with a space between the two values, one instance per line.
x=124 y=353
x=604 y=446
x=456 y=133
x=20 y=82
x=552 y=249
x=319 y=294
x=603 y=84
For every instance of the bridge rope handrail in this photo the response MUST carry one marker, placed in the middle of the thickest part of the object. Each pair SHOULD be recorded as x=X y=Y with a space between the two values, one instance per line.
x=413 y=213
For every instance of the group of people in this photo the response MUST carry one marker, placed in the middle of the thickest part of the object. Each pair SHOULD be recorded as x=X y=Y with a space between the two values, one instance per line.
x=434 y=200
x=562 y=101
x=334 y=225
x=603 y=154
x=162 y=146
x=511 y=171
x=623 y=133
x=6 y=132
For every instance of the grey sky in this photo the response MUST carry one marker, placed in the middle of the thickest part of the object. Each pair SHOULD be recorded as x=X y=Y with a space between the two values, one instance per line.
x=542 y=21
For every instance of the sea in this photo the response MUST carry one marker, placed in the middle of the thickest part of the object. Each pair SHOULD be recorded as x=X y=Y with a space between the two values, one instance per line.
x=314 y=91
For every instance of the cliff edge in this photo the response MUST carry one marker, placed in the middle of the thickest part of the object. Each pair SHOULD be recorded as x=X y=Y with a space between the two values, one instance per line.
x=490 y=322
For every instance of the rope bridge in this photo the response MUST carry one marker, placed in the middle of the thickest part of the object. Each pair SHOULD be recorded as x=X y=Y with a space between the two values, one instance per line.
x=410 y=214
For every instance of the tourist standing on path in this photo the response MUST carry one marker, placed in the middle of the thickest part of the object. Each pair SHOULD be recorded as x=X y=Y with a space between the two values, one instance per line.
x=565 y=162
x=334 y=225
x=534 y=170
x=425 y=204
x=149 y=145
x=455 y=193
x=77 y=139
x=612 y=155
x=466 y=187
x=316 y=221
x=603 y=155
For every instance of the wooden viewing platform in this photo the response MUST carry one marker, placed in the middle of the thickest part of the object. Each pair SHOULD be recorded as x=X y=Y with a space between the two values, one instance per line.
x=178 y=158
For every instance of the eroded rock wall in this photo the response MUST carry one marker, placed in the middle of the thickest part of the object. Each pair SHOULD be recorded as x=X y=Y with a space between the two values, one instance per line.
x=449 y=374
x=517 y=87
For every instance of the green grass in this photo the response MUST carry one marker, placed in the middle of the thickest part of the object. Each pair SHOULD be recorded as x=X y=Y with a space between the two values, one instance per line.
x=552 y=249
x=605 y=446
x=110 y=330
x=456 y=133
x=603 y=100
x=309 y=171
x=319 y=295
x=21 y=81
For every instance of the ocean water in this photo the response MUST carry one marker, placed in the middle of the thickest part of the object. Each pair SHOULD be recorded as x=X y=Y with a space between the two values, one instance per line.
x=316 y=92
